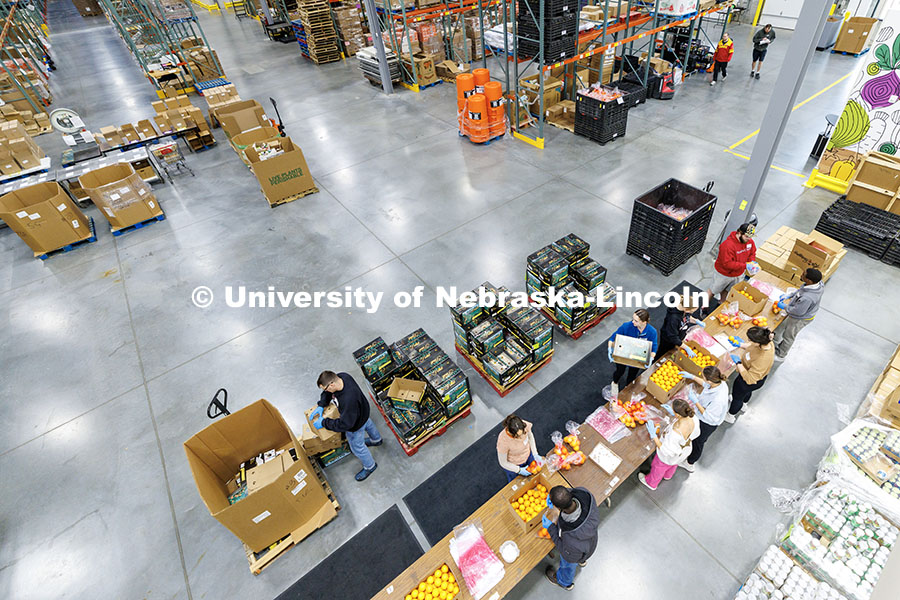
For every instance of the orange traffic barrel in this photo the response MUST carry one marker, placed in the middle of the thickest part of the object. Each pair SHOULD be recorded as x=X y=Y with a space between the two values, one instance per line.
x=482 y=76
x=477 y=126
x=493 y=93
x=465 y=87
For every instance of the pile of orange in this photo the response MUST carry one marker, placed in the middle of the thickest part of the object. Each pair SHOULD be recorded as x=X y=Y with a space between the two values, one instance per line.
x=775 y=309
x=667 y=375
x=746 y=295
x=634 y=414
x=761 y=322
x=440 y=585
x=573 y=441
x=531 y=503
x=700 y=359
x=734 y=321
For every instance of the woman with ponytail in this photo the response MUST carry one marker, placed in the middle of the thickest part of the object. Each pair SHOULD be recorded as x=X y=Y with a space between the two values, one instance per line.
x=673 y=445
x=754 y=361
x=711 y=404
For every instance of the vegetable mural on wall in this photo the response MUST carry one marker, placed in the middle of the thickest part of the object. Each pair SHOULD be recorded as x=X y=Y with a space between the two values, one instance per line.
x=871 y=118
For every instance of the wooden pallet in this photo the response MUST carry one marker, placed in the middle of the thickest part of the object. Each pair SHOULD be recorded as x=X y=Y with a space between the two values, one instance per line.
x=314 y=190
x=141 y=225
x=259 y=561
x=69 y=247
x=501 y=390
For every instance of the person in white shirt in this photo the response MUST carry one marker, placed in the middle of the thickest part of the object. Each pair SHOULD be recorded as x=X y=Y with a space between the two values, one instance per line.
x=672 y=445
x=711 y=404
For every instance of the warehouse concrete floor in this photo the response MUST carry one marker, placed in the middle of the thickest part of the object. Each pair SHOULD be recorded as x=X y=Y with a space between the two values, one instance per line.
x=108 y=367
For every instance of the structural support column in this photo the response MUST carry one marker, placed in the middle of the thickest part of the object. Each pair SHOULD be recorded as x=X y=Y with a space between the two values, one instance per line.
x=790 y=78
x=378 y=42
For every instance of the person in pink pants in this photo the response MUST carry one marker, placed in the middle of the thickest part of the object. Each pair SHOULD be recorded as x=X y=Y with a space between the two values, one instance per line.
x=673 y=445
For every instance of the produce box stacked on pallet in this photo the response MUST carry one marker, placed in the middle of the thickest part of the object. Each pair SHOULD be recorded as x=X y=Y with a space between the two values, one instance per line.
x=350 y=29
x=415 y=357
x=34 y=123
x=669 y=224
x=320 y=41
x=601 y=119
x=466 y=319
x=860 y=226
x=560 y=25
x=18 y=152
x=788 y=252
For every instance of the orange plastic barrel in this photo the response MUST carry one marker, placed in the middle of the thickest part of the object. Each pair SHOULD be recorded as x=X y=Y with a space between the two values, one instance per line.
x=493 y=93
x=465 y=87
x=477 y=126
x=482 y=76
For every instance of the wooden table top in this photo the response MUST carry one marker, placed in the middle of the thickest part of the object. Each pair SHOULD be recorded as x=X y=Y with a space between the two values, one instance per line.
x=499 y=525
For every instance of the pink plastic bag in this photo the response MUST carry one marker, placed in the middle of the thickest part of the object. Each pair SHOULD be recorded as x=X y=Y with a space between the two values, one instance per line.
x=480 y=567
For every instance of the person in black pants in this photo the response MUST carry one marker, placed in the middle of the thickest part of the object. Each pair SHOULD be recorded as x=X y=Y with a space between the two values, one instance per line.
x=754 y=361
x=639 y=327
x=711 y=405
x=675 y=326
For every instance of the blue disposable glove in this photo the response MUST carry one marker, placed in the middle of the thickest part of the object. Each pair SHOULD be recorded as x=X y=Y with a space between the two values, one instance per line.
x=692 y=396
x=316 y=413
x=700 y=323
x=318 y=423
x=668 y=409
x=546 y=522
x=549 y=503
x=736 y=359
x=651 y=428
x=685 y=374
x=610 y=353
x=690 y=352
x=524 y=472
x=782 y=304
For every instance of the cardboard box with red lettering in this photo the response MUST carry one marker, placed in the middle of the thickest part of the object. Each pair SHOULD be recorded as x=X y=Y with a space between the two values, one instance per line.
x=292 y=502
x=45 y=217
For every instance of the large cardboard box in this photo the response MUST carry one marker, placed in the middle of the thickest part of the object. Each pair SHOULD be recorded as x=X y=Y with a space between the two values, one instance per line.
x=261 y=134
x=815 y=250
x=631 y=351
x=121 y=195
x=283 y=176
x=751 y=306
x=317 y=441
x=44 y=216
x=854 y=34
x=238 y=117
x=677 y=7
x=449 y=69
x=294 y=503
x=618 y=9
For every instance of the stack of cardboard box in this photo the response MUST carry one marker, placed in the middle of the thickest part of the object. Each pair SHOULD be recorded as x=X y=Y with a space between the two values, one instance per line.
x=552 y=92
x=349 y=27
x=45 y=217
x=877 y=182
x=88 y=8
x=219 y=96
x=788 y=253
x=423 y=66
x=398 y=37
x=885 y=393
x=178 y=114
x=238 y=117
x=473 y=33
x=27 y=82
x=34 y=123
x=18 y=152
x=121 y=194
x=128 y=134
x=280 y=495
x=431 y=40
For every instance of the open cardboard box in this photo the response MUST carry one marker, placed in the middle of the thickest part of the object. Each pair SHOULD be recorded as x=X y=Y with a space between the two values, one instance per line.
x=660 y=394
x=751 y=306
x=815 y=250
x=684 y=362
x=44 y=216
x=282 y=176
x=237 y=117
x=240 y=141
x=518 y=490
x=317 y=441
x=295 y=503
x=631 y=351
x=121 y=195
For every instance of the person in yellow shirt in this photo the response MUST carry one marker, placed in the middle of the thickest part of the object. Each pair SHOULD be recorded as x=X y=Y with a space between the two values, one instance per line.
x=754 y=360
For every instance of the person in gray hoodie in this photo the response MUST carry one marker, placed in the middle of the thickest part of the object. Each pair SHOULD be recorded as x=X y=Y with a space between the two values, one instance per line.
x=573 y=529
x=801 y=308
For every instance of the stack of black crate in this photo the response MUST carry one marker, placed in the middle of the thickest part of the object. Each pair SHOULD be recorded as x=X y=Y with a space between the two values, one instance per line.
x=560 y=28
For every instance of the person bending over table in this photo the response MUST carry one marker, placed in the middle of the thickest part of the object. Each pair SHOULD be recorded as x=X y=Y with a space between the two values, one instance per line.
x=712 y=406
x=572 y=522
x=516 y=447
x=754 y=361
x=675 y=326
x=639 y=327
x=673 y=445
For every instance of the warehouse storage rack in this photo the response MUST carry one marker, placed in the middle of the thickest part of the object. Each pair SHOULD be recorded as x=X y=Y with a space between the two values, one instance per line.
x=24 y=57
x=151 y=33
x=638 y=31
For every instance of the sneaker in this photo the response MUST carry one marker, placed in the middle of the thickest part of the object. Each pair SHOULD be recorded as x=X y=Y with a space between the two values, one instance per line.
x=780 y=358
x=643 y=479
x=729 y=418
x=724 y=77
x=582 y=563
x=757 y=75
x=752 y=73
x=372 y=444
x=551 y=575
x=712 y=83
x=687 y=466
x=362 y=475
x=744 y=409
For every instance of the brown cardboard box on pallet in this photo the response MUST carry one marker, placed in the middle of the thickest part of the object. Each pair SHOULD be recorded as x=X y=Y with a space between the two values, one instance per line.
x=121 y=195
x=815 y=250
x=44 y=216
x=552 y=92
x=317 y=441
x=283 y=176
x=295 y=503
x=448 y=70
x=854 y=35
x=238 y=117
x=88 y=8
x=424 y=68
x=242 y=140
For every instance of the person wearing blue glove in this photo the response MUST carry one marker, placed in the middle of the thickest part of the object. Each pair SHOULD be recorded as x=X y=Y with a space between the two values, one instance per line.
x=668 y=409
x=711 y=405
x=574 y=531
x=800 y=312
x=672 y=445
x=755 y=363
x=353 y=418
x=679 y=319
x=516 y=448
x=639 y=327
x=735 y=358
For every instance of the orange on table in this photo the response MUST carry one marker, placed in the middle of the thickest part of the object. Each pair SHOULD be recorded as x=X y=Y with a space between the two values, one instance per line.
x=440 y=585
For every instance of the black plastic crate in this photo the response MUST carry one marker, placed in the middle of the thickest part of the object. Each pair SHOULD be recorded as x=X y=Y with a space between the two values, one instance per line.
x=600 y=130
x=681 y=195
x=635 y=93
x=892 y=256
x=860 y=226
x=553 y=50
x=554 y=27
x=552 y=8
x=874 y=246
x=592 y=107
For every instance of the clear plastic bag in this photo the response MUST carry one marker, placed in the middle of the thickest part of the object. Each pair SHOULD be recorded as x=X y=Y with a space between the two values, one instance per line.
x=605 y=423
x=572 y=427
x=607 y=394
x=479 y=566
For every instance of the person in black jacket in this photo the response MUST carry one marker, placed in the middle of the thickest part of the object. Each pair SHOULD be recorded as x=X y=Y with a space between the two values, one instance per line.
x=353 y=421
x=572 y=525
x=675 y=326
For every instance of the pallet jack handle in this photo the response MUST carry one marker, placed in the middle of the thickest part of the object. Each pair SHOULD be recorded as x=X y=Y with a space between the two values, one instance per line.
x=280 y=125
x=220 y=406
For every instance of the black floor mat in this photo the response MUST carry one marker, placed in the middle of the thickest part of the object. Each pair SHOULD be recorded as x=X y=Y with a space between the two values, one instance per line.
x=366 y=563
x=469 y=480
